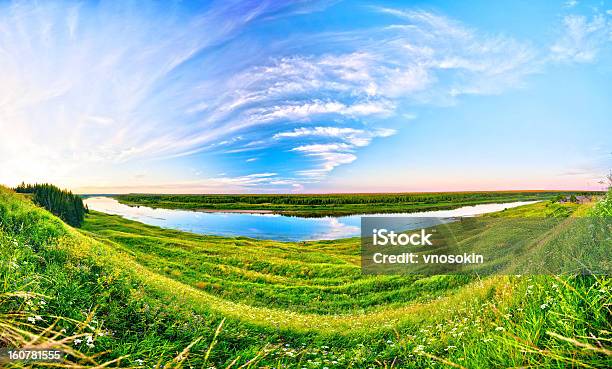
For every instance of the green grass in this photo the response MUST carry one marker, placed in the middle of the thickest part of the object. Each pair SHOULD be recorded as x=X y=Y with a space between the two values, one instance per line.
x=152 y=292
x=338 y=204
x=321 y=277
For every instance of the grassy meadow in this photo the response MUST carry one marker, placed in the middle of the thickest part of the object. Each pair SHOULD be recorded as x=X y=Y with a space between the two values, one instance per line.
x=123 y=294
x=338 y=204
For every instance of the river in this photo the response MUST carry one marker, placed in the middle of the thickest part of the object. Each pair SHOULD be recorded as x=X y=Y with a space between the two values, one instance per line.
x=271 y=226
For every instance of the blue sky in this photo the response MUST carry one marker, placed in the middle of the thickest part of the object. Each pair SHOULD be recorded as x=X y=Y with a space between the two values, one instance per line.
x=325 y=96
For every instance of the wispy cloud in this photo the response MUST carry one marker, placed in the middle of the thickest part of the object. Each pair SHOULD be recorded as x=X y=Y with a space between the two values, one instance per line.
x=256 y=182
x=354 y=137
x=582 y=38
x=570 y=3
x=343 y=142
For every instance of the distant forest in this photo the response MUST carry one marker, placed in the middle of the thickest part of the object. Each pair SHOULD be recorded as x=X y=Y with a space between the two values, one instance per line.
x=352 y=198
x=317 y=205
x=63 y=203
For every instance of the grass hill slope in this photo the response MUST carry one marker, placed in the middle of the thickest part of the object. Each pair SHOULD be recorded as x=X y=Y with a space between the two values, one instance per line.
x=128 y=294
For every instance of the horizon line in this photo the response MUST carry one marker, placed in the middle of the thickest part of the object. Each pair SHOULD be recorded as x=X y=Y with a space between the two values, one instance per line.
x=339 y=193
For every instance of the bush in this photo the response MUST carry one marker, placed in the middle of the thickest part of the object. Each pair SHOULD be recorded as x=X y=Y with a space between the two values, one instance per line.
x=604 y=207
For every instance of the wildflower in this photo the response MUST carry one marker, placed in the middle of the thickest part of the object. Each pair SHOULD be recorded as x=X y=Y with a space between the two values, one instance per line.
x=139 y=361
x=38 y=317
x=77 y=341
x=89 y=341
x=31 y=319
x=499 y=329
x=543 y=306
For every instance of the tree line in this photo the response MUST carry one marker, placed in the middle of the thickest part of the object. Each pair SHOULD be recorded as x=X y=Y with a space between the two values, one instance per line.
x=344 y=199
x=64 y=204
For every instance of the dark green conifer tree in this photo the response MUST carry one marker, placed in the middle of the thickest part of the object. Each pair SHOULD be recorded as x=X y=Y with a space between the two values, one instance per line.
x=66 y=205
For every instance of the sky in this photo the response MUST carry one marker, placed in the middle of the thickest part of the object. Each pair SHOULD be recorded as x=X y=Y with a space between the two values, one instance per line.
x=305 y=96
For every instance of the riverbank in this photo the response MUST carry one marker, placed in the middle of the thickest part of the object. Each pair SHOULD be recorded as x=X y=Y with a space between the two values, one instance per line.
x=320 y=205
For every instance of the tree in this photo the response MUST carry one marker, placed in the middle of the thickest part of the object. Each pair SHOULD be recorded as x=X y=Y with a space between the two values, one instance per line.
x=63 y=203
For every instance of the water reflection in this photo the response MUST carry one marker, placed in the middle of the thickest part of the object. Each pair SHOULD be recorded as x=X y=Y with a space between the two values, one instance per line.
x=267 y=226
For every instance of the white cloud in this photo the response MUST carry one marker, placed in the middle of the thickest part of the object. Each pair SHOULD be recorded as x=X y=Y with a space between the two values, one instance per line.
x=328 y=157
x=319 y=131
x=398 y=62
x=331 y=155
x=328 y=160
x=582 y=38
x=353 y=137
x=315 y=108
x=319 y=148
x=570 y=3
x=260 y=175
x=254 y=179
x=219 y=184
